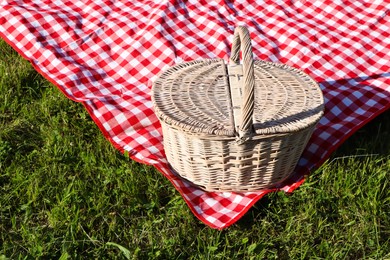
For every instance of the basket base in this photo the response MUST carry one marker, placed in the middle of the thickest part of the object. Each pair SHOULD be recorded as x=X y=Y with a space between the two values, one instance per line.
x=229 y=188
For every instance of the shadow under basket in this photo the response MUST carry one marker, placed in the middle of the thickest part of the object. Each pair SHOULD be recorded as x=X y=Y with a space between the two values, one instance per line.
x=238 y=127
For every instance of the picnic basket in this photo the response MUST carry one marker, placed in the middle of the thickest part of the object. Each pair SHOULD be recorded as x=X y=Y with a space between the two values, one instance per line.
x=238 y=127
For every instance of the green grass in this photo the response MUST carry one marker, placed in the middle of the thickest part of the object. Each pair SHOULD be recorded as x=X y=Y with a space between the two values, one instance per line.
x=66 y=193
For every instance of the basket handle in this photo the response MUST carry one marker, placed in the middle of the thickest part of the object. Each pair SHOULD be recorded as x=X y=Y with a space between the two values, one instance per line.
x=242 y=40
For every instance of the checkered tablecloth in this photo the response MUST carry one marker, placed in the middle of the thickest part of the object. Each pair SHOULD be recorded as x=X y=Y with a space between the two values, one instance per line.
x=106 y=54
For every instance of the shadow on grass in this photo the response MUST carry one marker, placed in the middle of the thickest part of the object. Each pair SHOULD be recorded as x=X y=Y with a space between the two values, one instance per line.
x=19 y=138
x=373 y=138
x=32 y=84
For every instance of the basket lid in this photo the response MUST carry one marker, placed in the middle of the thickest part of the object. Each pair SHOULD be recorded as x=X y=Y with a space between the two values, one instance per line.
x=212 y=98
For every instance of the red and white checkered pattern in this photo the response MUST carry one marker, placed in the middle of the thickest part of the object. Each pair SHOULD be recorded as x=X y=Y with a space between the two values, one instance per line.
x=106 y=54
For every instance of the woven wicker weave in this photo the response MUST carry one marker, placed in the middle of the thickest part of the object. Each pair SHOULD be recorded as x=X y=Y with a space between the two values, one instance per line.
x=236 y=127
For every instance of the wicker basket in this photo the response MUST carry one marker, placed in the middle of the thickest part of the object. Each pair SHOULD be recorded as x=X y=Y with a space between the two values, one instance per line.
x=236 y=127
